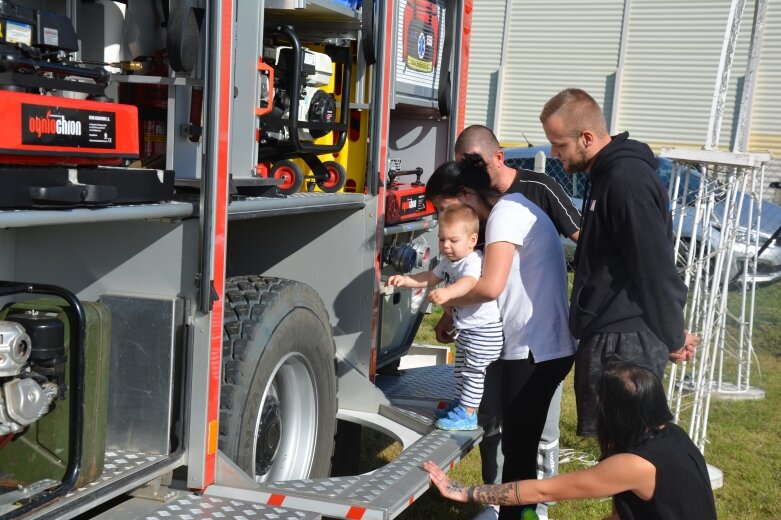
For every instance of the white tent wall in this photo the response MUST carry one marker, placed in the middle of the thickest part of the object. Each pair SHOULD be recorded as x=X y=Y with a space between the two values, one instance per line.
x=765 y=133
x=551 y=46
x=666 y=79
x=672 y=60
x=487 y=40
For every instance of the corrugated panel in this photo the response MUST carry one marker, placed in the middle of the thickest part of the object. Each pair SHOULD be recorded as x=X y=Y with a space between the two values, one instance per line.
x=484 y=59
x=551 y=46
x=766 y=114
x=672 y=59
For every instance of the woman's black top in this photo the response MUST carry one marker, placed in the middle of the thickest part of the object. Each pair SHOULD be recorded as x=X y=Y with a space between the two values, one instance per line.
x=683 y=489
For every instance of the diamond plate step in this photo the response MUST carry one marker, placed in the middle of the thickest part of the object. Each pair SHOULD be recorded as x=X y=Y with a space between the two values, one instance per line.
x=386 y=492
x=380 y=495
x=187 y=506
x=419 y=386
x=118 y=467
x=418 y=392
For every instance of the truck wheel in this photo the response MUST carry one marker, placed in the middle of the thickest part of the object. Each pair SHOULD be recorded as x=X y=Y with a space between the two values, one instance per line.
x=278 y=400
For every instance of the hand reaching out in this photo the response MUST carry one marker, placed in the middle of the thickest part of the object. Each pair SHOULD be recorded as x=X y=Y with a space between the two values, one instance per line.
x=449 y=488
x=397 y=280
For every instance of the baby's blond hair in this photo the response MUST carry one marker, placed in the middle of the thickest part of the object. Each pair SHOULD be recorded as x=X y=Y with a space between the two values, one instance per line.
x=460 y=214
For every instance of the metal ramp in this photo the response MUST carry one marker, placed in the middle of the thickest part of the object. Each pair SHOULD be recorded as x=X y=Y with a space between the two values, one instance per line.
x=380 y=495
x=385 y=493
x=414 y=395
x=188 y=506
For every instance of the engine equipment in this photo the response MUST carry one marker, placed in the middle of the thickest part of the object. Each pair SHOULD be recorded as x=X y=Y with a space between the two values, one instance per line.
x=406 y=257
x=315 y=105
x=47 y=336
x=295 y=110
x=14 y=348
x=33 y=53
x=55 y=133
x=29 y=386
x=407 y=201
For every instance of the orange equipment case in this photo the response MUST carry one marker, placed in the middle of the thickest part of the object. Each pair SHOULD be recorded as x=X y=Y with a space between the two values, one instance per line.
x=53 y=130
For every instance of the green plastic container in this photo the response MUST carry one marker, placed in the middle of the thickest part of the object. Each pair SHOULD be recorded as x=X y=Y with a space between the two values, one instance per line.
x=41 y=451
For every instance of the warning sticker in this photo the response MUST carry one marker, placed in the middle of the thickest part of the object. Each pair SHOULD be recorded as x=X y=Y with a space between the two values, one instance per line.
x=51 y=37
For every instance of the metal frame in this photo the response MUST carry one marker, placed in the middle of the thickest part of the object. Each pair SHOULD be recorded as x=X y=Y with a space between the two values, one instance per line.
x=724 y=180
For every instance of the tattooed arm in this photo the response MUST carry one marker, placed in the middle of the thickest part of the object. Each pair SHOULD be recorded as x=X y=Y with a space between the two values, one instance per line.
x=623 y=472
x=499 y=494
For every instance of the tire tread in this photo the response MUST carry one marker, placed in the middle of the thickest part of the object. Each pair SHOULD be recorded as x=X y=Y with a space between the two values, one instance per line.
x=247 y=300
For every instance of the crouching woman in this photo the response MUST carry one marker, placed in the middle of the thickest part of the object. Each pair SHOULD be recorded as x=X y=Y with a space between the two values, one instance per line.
x=649 y=465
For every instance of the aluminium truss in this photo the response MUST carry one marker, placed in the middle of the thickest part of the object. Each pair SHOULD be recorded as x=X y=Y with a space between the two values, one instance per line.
x=716 y=203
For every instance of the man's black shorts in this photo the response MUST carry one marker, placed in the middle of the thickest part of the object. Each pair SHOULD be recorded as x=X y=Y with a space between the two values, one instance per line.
x=642 y=348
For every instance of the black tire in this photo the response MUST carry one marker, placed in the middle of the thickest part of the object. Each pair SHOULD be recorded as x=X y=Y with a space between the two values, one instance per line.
x=337 y=176
x=279 y=380
x=291 y=175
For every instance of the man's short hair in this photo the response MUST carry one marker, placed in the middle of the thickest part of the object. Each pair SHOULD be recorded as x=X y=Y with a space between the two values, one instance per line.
x=477 y=137
x=578 y=110
x=460 y=214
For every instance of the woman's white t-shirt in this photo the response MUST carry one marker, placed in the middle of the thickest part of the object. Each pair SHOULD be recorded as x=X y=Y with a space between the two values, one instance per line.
x=533 y=304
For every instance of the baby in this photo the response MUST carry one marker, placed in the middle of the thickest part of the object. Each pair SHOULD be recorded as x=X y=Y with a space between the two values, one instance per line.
x=478 y=327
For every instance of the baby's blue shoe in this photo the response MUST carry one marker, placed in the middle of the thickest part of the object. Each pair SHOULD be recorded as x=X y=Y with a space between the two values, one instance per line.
x=458 y=420
x=442 y=412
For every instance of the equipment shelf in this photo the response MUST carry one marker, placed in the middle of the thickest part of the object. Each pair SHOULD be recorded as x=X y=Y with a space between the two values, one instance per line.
x=326 y=10
x=296 y=203
x=20 y=218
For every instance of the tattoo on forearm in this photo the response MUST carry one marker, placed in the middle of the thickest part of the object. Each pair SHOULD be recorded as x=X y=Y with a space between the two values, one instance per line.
x=454 y=487
x=499 y=494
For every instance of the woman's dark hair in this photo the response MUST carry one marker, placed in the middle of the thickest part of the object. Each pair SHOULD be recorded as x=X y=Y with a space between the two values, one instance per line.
x=632 y=407
x=450 y=179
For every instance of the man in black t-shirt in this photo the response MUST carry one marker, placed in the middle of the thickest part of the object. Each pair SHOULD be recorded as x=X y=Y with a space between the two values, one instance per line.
x=550 y=197
x=480 y=142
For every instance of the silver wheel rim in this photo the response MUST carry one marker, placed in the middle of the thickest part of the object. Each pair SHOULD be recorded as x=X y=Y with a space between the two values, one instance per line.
x=286 y=427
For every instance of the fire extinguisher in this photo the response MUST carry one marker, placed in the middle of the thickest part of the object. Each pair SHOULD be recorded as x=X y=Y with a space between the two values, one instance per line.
x=152 y=102
x=420 y=42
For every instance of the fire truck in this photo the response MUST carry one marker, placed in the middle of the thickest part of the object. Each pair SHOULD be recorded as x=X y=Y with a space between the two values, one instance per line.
x=200 y=201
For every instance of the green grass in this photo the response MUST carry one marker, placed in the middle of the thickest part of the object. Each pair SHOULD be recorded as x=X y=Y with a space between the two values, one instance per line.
x=744 y=439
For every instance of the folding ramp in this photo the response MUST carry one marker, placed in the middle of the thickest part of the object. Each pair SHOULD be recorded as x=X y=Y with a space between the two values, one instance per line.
x=414 y=395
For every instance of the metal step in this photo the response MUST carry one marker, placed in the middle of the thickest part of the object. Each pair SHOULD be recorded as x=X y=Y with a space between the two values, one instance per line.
x=386 y=492
x=122 y=472
x=419 y=387
x=380 y=495
x=187 y=506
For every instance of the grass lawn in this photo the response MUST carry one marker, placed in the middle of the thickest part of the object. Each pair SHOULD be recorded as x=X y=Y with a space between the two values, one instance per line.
x=744 y=439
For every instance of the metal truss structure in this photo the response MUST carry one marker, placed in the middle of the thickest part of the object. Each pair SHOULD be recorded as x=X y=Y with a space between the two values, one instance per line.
x=716 y=204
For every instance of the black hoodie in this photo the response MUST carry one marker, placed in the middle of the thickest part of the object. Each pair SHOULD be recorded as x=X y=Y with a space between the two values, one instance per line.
x=625 y=277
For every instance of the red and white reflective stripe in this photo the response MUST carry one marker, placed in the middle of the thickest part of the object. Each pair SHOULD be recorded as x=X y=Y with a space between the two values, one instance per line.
x=466 y=39
x=275 y=500
x=352 y=512
x=356 y=513
x=382 y=166
x=219 y=243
